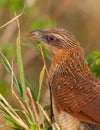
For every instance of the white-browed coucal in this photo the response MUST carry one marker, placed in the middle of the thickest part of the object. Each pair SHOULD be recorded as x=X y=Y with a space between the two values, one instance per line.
x=75 y=90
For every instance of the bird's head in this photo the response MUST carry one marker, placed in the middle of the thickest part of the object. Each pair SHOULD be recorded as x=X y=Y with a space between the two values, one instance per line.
x=56 y=39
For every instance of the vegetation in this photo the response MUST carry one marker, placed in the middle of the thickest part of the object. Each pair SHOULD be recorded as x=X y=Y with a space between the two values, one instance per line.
x=94 y=63
x=29 y=113
x=27 y=116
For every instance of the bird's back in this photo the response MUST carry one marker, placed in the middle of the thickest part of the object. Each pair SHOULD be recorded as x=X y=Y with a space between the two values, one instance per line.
x=73 y=87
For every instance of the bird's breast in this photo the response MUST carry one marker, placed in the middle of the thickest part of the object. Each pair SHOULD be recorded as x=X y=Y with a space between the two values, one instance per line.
x=65 y=120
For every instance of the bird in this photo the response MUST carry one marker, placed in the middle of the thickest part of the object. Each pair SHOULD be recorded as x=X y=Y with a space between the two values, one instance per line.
x=74 y=89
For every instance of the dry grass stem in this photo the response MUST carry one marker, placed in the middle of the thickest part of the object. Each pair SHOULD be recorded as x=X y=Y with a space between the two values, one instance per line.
x=16 y=17
x=8 y=33
x=18 y=120
x=49 y=86
x=55 y=126
x=45 y=114
x=20 y=102
x=33 y=107
x=44 y=61
x=13 y=92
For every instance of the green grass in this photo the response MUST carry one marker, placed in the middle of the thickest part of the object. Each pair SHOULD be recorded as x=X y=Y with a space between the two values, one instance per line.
x=30 y=115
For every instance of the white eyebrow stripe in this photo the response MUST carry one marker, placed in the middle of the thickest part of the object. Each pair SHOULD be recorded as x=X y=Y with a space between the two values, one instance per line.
x=64 y=38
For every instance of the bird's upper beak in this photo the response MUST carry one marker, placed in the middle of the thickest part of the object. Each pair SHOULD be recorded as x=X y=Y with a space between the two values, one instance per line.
x=35 y=34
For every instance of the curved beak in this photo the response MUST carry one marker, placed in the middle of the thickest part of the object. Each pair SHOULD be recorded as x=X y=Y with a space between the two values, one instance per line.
x=35 y=34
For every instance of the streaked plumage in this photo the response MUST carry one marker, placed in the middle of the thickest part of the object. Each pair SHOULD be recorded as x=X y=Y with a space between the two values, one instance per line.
x=75 y=91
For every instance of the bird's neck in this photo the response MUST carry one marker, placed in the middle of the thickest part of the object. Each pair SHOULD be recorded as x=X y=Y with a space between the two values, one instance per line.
x=70 y=63
x=68 y=59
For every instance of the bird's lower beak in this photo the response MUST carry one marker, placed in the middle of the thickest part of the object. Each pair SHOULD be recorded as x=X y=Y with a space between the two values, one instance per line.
x=35 y=34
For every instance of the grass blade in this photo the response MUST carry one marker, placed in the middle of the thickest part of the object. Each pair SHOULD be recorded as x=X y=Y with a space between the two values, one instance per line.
x=20 y=64
x=9 y=70
x=40 y=82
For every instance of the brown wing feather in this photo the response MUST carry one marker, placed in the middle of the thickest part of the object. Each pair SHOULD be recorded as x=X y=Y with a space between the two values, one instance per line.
x=80 y=98
x=90 y=112
x=92 y=109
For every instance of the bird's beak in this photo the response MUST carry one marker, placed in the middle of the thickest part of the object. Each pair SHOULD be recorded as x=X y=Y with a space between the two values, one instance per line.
x=35 y=34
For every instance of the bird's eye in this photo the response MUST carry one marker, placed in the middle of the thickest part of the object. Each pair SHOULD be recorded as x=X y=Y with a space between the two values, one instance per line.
x=51 y=38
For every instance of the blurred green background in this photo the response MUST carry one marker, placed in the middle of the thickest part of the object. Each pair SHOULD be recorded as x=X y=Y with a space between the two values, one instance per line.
x=81 y=18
